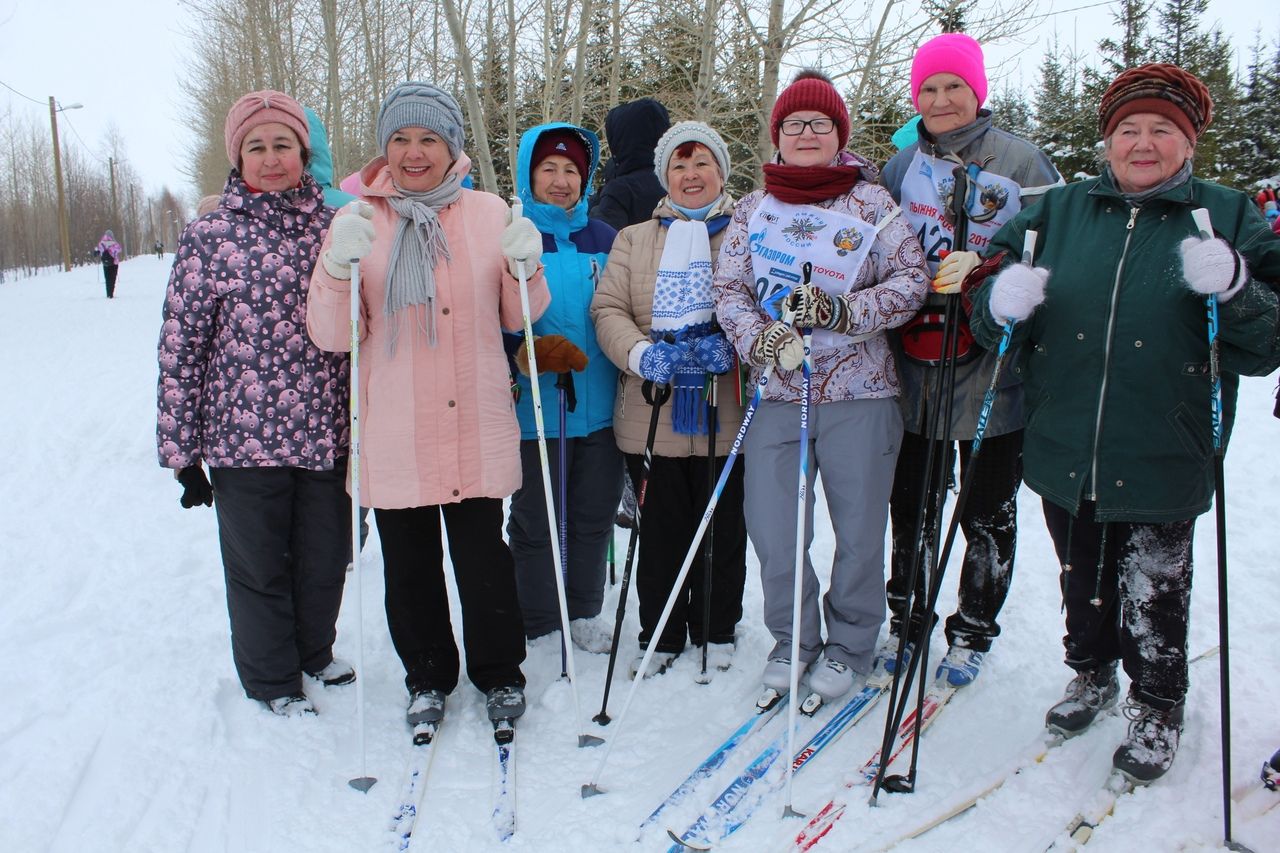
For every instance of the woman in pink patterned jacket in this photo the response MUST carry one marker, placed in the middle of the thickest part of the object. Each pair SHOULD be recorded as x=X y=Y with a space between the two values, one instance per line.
x=820 y=208
x=243 y=391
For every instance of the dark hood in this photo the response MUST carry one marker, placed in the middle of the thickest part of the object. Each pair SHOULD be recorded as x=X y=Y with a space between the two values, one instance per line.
x=633 y=129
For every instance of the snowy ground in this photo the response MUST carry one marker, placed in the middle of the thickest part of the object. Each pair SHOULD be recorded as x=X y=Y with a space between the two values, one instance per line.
x=123 y=727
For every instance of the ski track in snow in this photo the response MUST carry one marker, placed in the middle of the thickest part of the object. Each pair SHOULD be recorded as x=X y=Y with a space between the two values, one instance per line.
x=124 y=727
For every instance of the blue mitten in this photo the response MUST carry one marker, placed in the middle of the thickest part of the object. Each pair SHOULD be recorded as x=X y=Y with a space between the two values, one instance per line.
x=659 y=362
x=714 y=353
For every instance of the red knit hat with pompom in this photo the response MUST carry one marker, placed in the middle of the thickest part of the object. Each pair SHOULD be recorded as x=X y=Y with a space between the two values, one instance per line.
x=811 y=90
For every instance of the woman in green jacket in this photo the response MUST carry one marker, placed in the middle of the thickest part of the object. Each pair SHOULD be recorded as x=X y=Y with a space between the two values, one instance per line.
x=1115 y=367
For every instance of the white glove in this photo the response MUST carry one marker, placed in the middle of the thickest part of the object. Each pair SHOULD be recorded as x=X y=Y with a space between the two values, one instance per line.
x=778 y=345
x=1018 y=290
x=521 y=241
x=350 y=238
x=1212 y=266
x=953 y=270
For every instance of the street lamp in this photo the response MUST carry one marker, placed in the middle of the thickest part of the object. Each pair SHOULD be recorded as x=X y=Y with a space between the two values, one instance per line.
x=63 y=229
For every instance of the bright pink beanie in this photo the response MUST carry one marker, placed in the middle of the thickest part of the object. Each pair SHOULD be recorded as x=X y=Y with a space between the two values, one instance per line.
x=949 y=53
x=263 y=107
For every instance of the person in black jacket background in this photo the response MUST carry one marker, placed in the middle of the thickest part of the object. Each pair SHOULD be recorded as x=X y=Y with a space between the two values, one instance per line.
x=631 y=189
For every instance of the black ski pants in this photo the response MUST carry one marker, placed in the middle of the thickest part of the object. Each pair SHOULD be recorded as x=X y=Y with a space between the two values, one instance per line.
x=109 y=272
x=674 y=500
x=417 y=601
x=286 y=541
x=593 y=469
x=1141 y=578
x=990 y=525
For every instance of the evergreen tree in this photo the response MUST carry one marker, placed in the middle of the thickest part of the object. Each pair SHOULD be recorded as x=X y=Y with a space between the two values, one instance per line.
x=1010 y=111
x=1064 y=129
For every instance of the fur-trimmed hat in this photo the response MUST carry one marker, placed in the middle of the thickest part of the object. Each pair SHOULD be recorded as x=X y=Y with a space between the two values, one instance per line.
x=689 y=131
x=811 y=90
x=263 y=107
x=417 y=104
x=1159 y=88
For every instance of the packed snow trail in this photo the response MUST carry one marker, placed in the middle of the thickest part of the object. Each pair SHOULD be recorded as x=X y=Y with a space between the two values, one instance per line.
x=124 y=727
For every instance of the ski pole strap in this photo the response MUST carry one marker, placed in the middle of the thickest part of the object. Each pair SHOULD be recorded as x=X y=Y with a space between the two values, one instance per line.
x=564 y=382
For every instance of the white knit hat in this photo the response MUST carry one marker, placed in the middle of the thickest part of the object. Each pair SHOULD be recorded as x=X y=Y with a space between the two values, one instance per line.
x=689 y=131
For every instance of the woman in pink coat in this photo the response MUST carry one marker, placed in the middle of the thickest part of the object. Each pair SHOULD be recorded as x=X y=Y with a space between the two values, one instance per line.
x=439 y=432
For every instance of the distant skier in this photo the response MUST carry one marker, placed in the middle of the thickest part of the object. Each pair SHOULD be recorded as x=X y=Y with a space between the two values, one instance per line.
x=109 y=251
x=158 y=248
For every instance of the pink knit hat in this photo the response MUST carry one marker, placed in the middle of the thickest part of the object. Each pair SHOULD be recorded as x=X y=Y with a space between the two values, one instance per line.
x=811 y=90
x=949 y=53
x=264 y=107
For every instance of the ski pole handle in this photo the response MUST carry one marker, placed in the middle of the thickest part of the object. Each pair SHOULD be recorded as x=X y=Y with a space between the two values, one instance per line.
x=1029 y=246
x=1201 y=217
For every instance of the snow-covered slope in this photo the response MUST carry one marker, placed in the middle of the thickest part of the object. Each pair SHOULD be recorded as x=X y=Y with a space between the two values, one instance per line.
x=123 y=728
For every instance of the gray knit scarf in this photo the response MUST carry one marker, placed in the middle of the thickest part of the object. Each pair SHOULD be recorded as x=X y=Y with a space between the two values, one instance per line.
x=1138 y=199
x=419 y=244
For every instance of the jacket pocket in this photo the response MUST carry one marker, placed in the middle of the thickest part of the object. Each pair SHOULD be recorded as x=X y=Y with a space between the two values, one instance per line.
x=1192 y=429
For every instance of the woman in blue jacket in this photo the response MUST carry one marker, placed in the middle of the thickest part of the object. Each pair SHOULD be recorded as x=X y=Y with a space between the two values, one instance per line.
x=554 y=165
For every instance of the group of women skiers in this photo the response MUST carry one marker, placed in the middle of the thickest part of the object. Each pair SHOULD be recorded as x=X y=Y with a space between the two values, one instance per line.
x=875 y=302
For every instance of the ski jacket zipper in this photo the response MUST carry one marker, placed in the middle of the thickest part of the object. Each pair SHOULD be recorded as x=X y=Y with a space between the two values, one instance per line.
x=1106 y=356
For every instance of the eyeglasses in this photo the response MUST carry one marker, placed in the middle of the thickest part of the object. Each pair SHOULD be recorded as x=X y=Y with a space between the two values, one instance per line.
x=820 y=126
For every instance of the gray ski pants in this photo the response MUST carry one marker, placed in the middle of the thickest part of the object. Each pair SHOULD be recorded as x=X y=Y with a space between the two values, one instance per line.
x=854 y=443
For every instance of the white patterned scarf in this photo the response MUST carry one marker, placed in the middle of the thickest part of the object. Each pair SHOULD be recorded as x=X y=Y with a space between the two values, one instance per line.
x=683 y=306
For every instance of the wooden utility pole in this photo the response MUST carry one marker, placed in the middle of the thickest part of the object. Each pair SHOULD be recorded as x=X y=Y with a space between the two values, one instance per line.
x=64 y=234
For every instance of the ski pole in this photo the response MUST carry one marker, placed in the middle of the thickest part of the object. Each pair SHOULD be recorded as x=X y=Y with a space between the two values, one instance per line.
x=1205 y=227
x=962 y=499
x=655 y=397
x=708 y=547
x=592 y=788
x=609 y=558
x=584 y=739
x=797 y=573
x=934 y=468
x=364 y=781
x=564 y=382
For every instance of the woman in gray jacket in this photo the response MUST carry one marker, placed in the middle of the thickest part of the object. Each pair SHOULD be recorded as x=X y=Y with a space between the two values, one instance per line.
x=999 y=175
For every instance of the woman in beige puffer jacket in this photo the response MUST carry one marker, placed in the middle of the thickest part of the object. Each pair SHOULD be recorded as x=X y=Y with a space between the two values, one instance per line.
x=677 y=340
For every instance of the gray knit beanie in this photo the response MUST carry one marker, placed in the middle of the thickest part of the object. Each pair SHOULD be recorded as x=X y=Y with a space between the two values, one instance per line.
x=689 y=131
x=421 y=105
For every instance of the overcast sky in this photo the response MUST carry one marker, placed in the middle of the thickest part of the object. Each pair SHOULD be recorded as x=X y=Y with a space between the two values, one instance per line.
x=122 y=60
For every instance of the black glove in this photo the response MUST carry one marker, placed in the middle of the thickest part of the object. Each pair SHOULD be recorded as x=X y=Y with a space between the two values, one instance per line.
x=196 y=488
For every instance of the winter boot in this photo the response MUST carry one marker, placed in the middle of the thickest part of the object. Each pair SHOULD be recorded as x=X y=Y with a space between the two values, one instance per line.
x=887 y=655
x=777 y=675
x=719 y=656
x=426 y=706
x=1148 y=749
x=960 y=666
x=293 y=705
x=504 y=703
x=337 y=672
x=658 y=665
x=1090 y=692
x=591 y=634
x=832 y=679
x=1271 y=773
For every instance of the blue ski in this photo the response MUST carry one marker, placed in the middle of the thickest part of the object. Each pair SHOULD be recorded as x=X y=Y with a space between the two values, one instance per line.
x=713 y=762
x=740 y=800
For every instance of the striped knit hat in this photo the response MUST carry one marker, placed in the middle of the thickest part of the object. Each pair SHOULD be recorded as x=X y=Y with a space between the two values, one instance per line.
x=1159 y=88
x=421 y=105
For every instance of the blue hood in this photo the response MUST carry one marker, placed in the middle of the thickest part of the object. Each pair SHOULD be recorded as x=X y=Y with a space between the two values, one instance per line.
x=320 y=164
x=548 y=218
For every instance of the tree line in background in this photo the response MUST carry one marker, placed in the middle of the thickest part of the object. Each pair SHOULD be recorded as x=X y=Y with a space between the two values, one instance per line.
x=517 y=63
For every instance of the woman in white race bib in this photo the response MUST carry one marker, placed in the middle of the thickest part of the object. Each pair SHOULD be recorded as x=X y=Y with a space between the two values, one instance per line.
x=1001 y=175
x=820 y=205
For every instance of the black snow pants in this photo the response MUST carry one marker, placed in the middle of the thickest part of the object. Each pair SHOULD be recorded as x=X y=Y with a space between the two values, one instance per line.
x=990 y=526
x=674 y=500
x=1140 y=575
x=109 y=273
x=417 y=600
x=285 y=535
